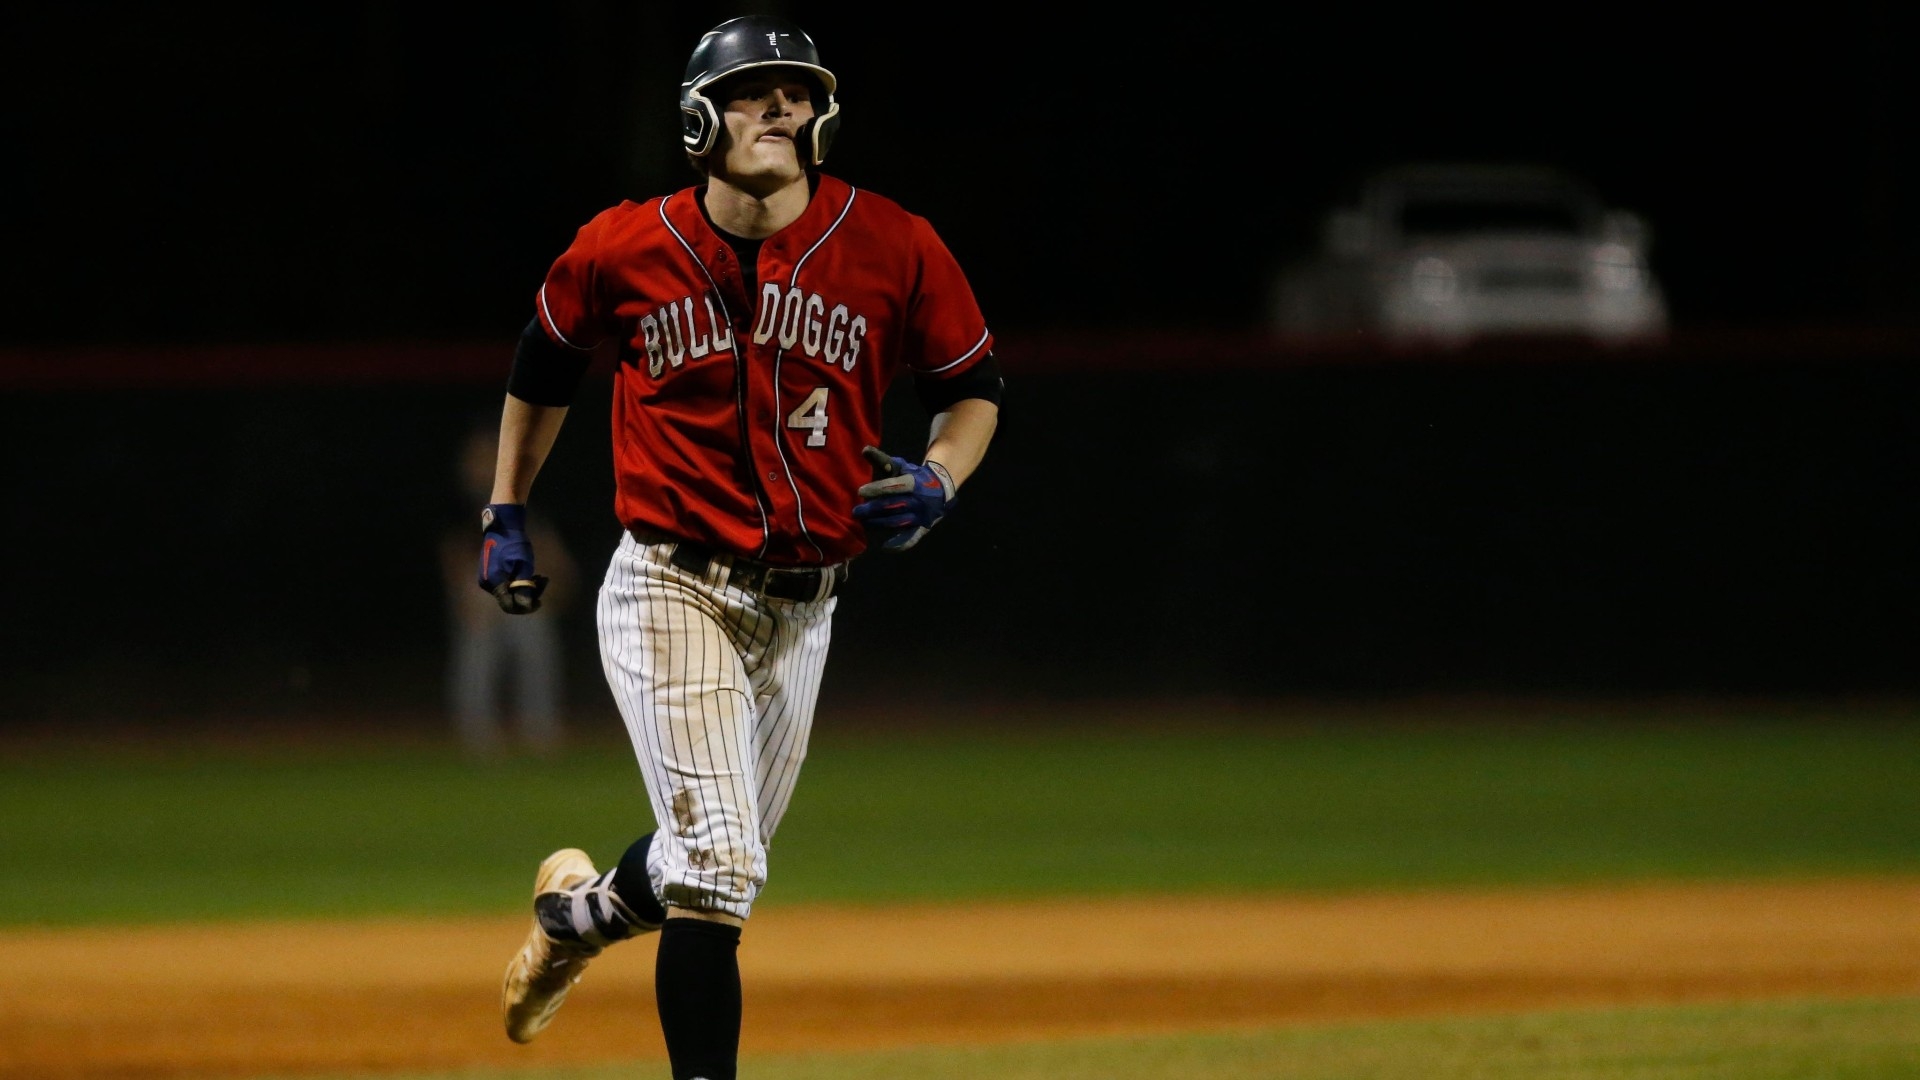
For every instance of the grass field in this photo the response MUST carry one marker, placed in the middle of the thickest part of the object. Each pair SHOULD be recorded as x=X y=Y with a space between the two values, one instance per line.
x=408 y=829
x=1222 y=804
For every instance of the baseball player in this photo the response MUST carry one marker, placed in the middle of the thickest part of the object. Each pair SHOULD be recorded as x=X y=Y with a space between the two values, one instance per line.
x=759 y=317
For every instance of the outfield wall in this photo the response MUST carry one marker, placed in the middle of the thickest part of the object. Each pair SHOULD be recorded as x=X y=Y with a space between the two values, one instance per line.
x=255 y=529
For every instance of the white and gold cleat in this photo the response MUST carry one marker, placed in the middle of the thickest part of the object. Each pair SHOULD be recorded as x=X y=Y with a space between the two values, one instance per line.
x=545 y=968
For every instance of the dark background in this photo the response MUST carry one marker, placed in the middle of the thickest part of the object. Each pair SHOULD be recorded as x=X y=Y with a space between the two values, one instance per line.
x=349 y=171
x=263 y=266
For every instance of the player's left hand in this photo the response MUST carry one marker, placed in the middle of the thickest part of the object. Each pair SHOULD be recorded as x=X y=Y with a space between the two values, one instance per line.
x=506 y=559
x=904 y=501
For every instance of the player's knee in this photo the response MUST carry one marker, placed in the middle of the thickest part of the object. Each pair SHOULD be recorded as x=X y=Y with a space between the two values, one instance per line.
x=725 y=918
x=718 y=878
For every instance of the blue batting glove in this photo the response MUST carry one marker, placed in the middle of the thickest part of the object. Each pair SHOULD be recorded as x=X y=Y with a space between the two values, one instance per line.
x=904 y=501
x=506 y=559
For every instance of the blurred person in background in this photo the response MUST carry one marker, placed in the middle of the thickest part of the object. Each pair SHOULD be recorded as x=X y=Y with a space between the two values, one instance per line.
x=505 y=678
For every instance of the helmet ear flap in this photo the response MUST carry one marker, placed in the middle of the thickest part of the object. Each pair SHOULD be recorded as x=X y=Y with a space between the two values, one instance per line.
x=699 y=125
x=816 y=135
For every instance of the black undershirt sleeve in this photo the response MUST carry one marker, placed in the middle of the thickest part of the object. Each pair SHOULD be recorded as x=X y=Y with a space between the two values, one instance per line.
x=982 y=380
x=545 y=373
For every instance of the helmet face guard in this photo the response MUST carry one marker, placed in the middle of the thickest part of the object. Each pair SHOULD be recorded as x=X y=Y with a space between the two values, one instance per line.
x=754 y=41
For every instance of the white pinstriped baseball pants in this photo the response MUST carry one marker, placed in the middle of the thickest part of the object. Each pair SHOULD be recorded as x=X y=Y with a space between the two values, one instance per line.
x=717 y=687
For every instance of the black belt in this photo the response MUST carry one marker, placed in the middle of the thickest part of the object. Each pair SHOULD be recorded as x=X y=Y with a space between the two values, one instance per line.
x=781 y=582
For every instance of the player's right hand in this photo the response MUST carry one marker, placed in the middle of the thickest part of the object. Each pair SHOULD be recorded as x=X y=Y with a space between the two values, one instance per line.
x=903 y=501
x=506 y=559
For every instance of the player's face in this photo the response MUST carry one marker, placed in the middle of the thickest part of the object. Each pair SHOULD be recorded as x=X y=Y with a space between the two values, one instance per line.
x=762 y=109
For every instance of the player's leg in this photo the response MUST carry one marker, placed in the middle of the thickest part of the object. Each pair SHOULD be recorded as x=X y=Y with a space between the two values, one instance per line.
x=475 y=668
x=696 y=970
x=697 y=973
x=697 y=992
x=539 y=669
x=719 y=724
x=786 y=680
x=717 y=689
x=576 y=915
x=676 y=650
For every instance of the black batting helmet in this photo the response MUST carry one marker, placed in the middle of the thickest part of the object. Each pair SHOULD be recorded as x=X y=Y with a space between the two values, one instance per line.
x=754 y=41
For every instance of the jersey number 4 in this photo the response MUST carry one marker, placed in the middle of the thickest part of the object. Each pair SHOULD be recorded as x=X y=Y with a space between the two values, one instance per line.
x=812 y=414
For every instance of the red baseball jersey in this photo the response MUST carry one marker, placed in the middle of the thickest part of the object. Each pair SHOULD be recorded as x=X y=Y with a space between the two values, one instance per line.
x=738 y=420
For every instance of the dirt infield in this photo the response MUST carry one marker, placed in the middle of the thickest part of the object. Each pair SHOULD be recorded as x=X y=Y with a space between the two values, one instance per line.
x=225 y=1001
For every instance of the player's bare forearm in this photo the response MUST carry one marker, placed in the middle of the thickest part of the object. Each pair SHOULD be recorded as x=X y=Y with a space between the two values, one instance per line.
x=527 y=432
x=958 y=437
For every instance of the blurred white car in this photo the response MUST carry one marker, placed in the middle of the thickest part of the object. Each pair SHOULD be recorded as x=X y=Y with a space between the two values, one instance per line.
x=1444 y=253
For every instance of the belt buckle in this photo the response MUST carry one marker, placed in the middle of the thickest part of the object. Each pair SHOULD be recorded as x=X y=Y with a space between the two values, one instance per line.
x=763 y=578
x=793 y=581
x=778 y=582
x=746 y=575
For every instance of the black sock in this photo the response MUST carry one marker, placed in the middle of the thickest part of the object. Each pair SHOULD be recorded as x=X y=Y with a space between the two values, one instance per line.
x=696 y=984
x=634 y=887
